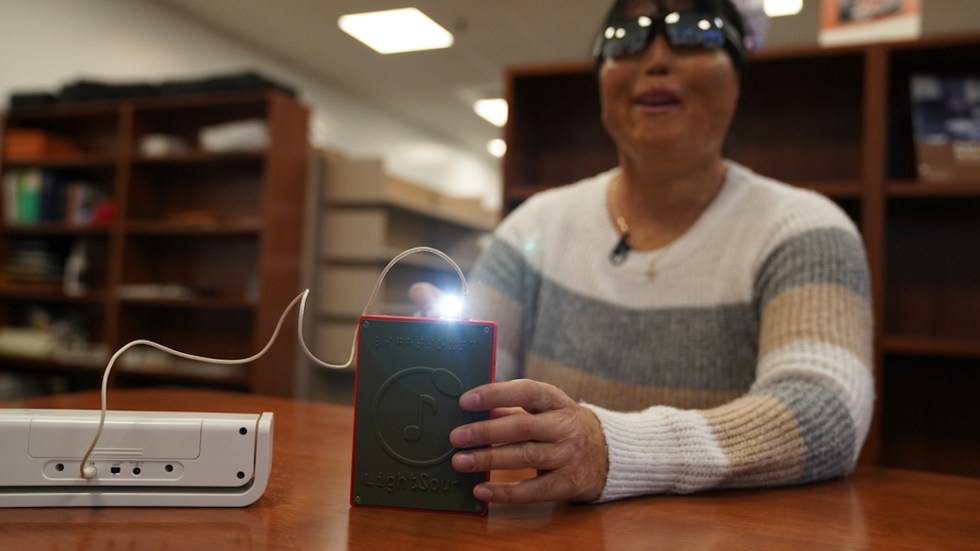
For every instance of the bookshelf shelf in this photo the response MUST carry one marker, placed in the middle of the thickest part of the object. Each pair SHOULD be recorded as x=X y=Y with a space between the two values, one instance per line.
x=201 y=157
x=914 y=188
x=49 y=294
x=50 y=365
x=55 y=228
x=80 y=162
x=838 y=121
x=150 y=229
x=834 y=190
x=203 y=303
x=224 y=228
x=929 y=346
x=220 y=381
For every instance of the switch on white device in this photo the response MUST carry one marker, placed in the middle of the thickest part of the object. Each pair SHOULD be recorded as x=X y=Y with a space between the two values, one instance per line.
x=153 y=459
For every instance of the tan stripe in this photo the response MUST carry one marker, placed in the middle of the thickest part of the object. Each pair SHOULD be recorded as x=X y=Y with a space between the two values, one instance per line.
x=843 y=318
x=761 y=439
x=621 y=396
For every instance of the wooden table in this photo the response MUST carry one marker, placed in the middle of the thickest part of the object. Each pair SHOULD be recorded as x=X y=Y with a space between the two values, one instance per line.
x=306 y=505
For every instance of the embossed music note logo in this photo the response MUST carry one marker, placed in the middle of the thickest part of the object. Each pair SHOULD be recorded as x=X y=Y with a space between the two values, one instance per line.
x=429 y=398
x=413 y=433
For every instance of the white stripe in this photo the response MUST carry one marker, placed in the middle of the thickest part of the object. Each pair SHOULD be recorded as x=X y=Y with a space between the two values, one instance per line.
x=659 y=450
x=566 y=235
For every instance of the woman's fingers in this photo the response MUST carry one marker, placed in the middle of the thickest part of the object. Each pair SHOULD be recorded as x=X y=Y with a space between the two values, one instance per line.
x=533 y=396
x=520 y=427
x=426 y=297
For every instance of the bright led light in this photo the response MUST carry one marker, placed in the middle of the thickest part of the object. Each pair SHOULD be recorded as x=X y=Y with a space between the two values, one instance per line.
x=672 y=18
x=497 y=147
x=704 y=24
x=620 y=33
x=395 y=31
x=779 y=8
x=493 y=110
x=450 y=306
x=644 y=21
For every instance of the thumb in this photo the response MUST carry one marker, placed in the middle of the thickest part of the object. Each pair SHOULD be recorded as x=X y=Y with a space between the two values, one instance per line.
x=426 y=297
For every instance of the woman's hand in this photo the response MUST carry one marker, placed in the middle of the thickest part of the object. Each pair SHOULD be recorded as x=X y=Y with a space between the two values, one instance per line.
x=427 y=297
x=533 y=425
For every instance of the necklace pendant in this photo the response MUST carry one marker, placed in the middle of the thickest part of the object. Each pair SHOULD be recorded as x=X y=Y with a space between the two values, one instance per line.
x=652 y=269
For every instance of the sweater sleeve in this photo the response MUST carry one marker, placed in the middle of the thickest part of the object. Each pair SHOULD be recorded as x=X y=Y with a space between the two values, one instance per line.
x=504 y=286
x=808 y=411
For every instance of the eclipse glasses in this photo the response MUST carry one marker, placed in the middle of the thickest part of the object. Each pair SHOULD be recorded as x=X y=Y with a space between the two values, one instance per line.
x=684 y=30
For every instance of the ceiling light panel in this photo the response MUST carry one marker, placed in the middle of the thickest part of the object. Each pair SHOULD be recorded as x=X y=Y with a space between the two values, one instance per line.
x=781 y=8
x=396 y=31
x=493 y=110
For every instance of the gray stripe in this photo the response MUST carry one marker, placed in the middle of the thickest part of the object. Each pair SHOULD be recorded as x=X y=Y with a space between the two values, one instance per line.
x=828 y=431
x=692 y=348
x=827 y=255
x=504 y=269
x=711 y=348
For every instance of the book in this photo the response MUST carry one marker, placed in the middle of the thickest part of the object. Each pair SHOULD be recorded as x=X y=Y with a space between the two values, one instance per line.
x=946 y=126
x=80 y=201
x=11 y=201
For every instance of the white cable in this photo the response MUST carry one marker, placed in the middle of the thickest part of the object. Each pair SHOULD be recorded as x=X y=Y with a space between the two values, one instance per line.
x=89 y=472
x=370 y=302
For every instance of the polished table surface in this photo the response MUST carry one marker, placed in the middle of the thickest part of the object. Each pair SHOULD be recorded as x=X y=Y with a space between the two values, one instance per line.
x=306 y=505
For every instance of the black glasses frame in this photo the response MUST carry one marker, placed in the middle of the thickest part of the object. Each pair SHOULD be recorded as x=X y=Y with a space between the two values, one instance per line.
x=687 y=30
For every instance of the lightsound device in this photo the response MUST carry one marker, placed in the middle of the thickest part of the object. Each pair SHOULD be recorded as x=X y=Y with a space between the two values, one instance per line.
x=410 y=375
x=153 y=459
x=146 y=459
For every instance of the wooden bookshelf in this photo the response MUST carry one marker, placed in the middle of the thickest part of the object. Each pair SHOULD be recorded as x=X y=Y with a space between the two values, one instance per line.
x=836 y=120
x=223 y=231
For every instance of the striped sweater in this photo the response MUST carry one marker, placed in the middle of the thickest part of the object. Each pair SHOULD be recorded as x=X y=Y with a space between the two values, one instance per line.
x=738 y=356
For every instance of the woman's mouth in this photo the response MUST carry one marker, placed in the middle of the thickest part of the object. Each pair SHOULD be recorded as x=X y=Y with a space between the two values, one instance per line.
x=657 y=100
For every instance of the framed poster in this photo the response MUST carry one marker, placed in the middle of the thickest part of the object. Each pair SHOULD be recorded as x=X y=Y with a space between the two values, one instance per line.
x=861 y=21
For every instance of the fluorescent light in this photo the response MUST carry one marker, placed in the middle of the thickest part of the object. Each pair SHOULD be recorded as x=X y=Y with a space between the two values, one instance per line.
x=493 y=110
x=395 y=31
x=497 y=147
x=779 y=8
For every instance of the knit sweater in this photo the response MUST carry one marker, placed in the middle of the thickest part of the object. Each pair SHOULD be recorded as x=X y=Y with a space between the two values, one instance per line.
x=737 y=356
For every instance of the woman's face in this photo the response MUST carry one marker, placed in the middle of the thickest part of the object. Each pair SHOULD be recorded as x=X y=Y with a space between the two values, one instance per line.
x=677 y=103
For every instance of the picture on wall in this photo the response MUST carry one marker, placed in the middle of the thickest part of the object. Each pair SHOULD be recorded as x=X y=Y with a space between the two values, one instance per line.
x=862 y=21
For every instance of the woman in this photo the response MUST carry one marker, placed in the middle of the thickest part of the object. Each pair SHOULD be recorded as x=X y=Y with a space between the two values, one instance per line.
x=682 y=322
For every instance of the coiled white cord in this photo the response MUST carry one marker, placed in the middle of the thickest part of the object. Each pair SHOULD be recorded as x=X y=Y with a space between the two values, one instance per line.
x=89 y=472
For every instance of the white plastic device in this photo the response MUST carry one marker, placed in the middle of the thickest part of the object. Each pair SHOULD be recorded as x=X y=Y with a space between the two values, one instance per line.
x=153 y=459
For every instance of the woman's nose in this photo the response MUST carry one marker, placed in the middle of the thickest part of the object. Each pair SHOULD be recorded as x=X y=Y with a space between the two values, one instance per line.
x=658 y=57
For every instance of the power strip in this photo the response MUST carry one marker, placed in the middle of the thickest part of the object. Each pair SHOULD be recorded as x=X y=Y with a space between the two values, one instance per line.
x=143 y=458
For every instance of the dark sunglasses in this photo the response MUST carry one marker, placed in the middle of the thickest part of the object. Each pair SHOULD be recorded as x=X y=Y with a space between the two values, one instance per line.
x=684 y=30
